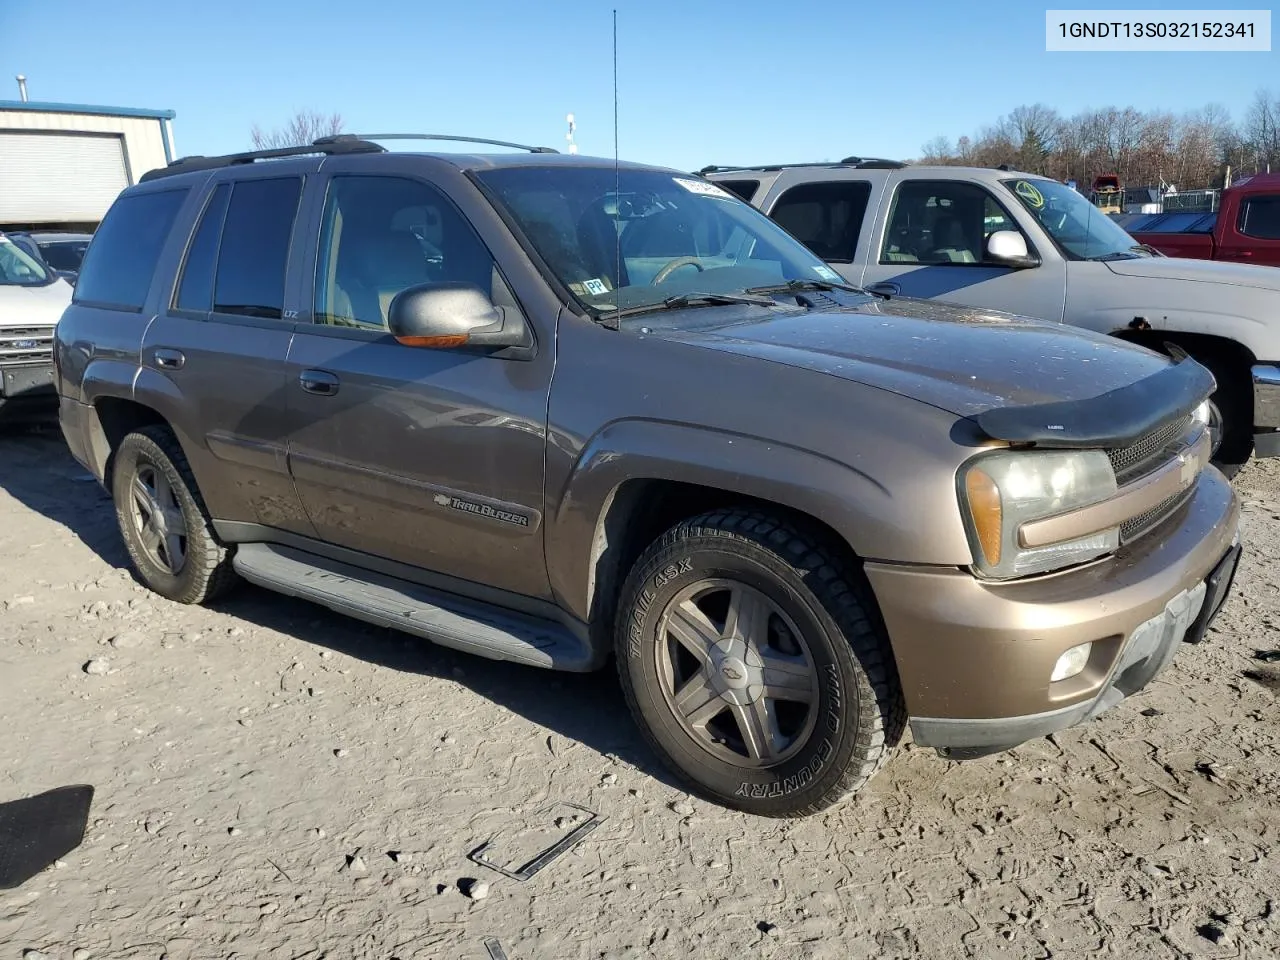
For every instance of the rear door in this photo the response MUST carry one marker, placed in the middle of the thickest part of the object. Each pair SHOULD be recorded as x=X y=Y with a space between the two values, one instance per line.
x=931 y=243
x=428 y=457
x=214 y=358
x=1253 y=235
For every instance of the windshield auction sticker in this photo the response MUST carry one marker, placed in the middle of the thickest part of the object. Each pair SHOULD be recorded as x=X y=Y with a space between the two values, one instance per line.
x=1033 y=197
x=702 y=188
x=1116 y=31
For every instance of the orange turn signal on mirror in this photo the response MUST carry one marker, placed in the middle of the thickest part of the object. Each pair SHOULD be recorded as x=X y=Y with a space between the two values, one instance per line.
x=439 y=343
x=984 y=508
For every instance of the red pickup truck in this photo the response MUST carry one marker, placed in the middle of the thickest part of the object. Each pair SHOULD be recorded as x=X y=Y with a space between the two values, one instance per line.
x=1246 y=228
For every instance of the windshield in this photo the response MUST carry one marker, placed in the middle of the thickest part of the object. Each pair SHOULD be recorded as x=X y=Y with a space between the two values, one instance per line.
x=621 y=240
x=1079 y=228
x=64 y=254
x=18 y=269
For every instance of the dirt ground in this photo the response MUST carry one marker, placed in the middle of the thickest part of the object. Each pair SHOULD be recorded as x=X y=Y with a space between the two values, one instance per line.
x=275 y=781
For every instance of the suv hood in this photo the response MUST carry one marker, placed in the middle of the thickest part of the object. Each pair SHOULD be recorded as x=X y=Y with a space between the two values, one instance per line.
x=961 y=360
x=33 y=306
x=1198 y=271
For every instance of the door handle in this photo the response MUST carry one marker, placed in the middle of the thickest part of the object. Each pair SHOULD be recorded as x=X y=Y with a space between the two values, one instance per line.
x=889 y=289
x=320 y=382
x=169 y=359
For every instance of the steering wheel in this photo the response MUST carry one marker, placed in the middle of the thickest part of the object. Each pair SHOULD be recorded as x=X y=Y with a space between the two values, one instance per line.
x=675 y=265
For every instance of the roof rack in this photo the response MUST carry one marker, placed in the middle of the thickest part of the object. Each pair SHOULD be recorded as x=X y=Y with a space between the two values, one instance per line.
x=339 y=138
x=188 y=164
x=858 y=163
x=337 y=145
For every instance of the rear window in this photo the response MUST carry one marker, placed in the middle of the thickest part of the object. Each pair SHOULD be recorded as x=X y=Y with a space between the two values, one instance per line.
x=825 y=217
x=122 y=258
x=255 y=247
x=1260 y=217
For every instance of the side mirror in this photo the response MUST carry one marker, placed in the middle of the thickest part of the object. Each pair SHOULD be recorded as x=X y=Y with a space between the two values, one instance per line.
x=444 y=316
x=1008 y=248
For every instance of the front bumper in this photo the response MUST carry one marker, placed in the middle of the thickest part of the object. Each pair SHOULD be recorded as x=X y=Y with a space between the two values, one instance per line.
x=975 y=658
x=28 y=388
x=1266 y=410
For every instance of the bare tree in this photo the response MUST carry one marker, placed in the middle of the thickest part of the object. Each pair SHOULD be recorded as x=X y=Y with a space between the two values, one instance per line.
x=1262 y=130
x=937 y=150
x=306 y=127
x=1192 y=150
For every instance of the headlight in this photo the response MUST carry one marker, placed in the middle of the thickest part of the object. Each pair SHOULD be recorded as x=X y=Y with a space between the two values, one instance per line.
x=1201 y=414
x=1001 y=491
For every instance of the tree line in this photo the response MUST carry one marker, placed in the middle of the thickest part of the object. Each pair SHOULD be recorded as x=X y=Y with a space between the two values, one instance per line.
x=1192 y=150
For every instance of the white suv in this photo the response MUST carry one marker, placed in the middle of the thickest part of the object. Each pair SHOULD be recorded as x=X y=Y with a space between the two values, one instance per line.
x=32 y=298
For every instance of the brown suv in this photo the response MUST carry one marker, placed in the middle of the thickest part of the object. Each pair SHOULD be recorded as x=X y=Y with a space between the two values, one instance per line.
x=544 y=408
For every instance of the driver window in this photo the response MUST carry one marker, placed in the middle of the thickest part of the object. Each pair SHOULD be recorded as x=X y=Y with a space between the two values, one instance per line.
x=381 y=235
x=941 y=222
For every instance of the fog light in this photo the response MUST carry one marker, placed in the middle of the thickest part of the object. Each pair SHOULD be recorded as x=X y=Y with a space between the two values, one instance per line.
x=1071 y=662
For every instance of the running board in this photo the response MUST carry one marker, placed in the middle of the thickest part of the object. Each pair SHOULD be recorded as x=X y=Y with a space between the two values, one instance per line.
x=448 y=620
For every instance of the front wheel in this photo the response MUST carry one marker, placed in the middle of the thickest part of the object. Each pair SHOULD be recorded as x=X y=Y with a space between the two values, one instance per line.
x=751 y=663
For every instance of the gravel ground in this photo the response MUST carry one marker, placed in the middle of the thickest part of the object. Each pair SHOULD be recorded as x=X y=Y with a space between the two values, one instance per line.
x=273 y=781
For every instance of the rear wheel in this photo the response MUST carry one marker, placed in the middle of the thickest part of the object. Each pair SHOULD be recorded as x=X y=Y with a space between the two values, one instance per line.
x=163 y=520
x=749 y=658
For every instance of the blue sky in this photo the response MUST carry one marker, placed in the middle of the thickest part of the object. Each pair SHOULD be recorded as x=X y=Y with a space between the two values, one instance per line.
x=698 y=83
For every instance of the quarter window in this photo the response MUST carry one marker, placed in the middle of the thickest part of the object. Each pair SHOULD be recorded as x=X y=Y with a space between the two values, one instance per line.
x=942 y=222
x=825 y=217
x=1260 y=217
x=381 y=235
x=255 y=247
x=122 y=259
x=746 y=189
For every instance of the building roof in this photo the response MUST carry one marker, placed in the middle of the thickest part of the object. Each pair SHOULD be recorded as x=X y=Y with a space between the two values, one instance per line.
x=38 y=106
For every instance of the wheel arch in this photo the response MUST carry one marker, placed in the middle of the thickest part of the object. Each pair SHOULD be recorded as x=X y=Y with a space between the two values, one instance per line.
x=638 y=478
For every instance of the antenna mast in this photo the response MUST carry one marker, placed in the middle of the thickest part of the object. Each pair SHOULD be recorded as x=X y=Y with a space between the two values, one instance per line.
x=573 y=128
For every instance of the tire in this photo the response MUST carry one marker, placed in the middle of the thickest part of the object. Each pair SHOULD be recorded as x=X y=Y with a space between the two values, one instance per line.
x=1234 y=400
x=817 y=619
x=152 y=459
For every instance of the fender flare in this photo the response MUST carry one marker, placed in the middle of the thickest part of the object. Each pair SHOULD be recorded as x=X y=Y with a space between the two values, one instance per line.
x=854 y=504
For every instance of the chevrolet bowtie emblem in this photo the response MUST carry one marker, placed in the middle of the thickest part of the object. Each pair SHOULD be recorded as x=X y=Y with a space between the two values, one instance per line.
x=1190 y=467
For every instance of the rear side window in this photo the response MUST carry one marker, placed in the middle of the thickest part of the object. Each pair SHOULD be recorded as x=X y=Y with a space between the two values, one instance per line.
x=746 y=189
x=196 y=289
x=121 y=260
x=255 y=247
x=825 y=217
x=1260 y=217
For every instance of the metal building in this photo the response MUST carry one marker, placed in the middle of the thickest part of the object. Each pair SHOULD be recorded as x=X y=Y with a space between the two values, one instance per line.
x=62 y=164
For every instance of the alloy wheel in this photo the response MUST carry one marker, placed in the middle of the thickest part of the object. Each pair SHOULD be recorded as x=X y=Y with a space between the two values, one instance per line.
x=737 y=673
x=158 y=519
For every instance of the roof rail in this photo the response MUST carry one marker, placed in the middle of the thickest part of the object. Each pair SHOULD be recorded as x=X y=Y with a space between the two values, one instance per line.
x=326 y=145
x=432 y=136
x=858 y=163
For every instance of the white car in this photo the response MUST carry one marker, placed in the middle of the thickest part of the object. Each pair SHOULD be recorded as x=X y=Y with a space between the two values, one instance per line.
x=999 y=240
x=32 y=298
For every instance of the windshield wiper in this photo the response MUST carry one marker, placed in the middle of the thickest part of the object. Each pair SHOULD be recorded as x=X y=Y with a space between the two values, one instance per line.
x=799 y=286
x=682 y=300
x=1113 y=255
x=1147 y=248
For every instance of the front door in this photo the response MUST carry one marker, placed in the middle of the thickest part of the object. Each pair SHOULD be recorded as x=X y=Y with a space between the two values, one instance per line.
x=1254 y=237
x=933 y=245
x=429 y=457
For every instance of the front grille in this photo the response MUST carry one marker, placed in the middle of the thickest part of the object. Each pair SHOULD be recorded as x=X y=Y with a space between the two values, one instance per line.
x=1152 y=450
x=25 y=345
x=1135 y=527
